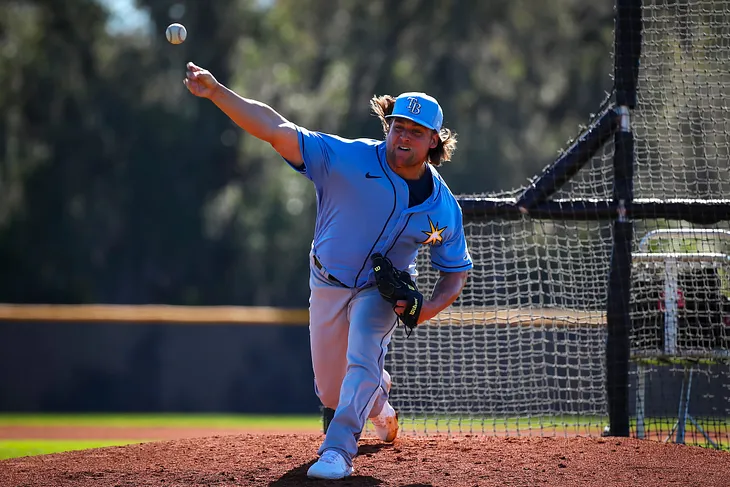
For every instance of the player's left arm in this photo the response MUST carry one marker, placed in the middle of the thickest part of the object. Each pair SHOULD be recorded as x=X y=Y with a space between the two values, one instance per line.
x=445 y=292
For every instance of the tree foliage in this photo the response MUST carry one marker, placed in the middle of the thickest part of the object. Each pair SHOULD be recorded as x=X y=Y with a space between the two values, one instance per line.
x=117 y=186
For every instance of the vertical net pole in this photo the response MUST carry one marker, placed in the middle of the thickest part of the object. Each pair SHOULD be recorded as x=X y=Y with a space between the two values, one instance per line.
x=627 y=49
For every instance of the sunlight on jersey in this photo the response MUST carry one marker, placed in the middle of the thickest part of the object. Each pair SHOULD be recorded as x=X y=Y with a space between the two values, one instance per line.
x=434 y=236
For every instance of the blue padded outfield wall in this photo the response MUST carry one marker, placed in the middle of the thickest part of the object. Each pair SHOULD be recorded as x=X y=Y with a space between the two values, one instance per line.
x=219 y=368
x=155 y=367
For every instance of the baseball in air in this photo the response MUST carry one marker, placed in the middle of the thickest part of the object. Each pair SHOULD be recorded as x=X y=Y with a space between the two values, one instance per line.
x=176 y=33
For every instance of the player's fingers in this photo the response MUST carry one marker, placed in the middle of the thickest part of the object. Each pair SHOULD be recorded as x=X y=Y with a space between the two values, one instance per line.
x=193 y=67
x=202 y=77
x=192 y=87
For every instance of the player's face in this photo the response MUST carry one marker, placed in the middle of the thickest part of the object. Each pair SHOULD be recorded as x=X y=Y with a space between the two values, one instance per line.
x=408 y=143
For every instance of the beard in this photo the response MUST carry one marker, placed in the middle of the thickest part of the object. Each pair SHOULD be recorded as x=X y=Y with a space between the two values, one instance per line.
x=399 y=158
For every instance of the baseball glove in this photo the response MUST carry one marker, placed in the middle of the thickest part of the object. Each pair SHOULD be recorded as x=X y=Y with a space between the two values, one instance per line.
x=395 y=285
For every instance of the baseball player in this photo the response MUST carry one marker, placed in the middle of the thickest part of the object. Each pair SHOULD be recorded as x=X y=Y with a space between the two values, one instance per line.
x=378 y=202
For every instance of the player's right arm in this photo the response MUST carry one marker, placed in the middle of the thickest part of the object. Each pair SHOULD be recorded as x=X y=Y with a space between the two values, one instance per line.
x=256 y=118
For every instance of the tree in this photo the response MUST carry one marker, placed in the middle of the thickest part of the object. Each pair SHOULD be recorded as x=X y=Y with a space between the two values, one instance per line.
x=117 y=186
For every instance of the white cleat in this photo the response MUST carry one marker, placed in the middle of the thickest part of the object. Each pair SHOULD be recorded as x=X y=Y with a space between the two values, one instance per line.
x=386 y=423
x=331 y=466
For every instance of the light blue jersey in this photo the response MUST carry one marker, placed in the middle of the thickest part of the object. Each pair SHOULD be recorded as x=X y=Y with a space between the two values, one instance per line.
x=362 y=208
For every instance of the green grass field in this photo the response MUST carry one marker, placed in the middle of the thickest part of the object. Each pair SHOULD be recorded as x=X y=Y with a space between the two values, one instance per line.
x=12 y=448
x=25 y=448
x=160 y=420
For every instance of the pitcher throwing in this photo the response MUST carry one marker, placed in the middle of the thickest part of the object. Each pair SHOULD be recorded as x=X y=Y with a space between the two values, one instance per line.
x=378 y=202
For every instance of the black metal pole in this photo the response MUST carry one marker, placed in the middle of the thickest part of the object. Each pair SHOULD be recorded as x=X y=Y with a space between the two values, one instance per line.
x=618 y=320
x=627 y=49
x=700 y=212
x=571 y=161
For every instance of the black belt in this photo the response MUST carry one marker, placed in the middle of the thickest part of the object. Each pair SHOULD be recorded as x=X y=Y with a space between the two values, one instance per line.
x=329 y=276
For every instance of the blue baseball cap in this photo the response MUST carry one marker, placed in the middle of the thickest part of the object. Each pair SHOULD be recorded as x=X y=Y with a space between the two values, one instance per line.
x=420 y=108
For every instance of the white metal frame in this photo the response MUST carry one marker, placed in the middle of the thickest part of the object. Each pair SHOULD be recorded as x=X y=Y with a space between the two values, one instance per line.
x=671 y=319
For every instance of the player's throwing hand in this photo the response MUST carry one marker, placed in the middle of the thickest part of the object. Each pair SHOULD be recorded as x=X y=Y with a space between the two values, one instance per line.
x=200 y=82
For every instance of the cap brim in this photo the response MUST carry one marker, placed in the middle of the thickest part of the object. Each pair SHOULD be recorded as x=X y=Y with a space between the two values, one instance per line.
x=419 y=122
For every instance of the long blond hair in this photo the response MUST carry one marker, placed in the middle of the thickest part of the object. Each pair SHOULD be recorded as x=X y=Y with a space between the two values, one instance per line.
x=382 y=106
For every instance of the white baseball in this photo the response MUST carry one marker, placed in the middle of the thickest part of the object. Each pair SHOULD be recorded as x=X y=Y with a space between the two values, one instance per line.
x=176 y=33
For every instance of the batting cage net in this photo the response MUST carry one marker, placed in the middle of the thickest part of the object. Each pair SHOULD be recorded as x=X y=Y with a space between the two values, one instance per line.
x=599 y=302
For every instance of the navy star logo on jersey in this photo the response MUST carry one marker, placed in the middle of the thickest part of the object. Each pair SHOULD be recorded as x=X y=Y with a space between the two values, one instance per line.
x=433 y=234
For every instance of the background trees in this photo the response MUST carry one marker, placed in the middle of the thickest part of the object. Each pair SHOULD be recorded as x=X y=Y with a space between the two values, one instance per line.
x=117 y=186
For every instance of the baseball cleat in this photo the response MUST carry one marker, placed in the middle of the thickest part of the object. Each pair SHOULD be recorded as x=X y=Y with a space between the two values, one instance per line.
x=331 y=466
x=386 y=423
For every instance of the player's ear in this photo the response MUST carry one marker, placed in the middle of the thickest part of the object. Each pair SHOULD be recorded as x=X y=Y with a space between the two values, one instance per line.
x=435 y=139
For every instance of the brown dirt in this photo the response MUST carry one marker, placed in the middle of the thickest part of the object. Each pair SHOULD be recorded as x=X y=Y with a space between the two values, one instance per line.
x=283 y=460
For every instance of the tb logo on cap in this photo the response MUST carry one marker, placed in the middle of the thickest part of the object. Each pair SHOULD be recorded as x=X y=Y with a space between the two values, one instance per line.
x=413 y=106
x=420 y=108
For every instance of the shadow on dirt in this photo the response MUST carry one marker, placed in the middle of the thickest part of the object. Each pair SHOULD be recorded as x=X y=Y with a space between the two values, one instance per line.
x=298 y=475
x=371 y=449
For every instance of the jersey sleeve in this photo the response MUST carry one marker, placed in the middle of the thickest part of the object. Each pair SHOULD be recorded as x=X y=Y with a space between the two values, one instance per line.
x=453 y=254
x=320 y=152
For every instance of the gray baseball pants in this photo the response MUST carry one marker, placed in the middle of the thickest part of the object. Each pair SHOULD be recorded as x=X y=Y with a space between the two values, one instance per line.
x=349 y=332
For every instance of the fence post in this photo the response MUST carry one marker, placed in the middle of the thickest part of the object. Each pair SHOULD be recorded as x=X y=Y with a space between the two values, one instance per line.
x=627 y=46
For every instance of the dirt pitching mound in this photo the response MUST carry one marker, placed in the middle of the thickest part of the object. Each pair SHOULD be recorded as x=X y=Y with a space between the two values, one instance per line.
x=283 y=460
